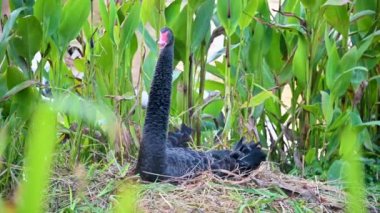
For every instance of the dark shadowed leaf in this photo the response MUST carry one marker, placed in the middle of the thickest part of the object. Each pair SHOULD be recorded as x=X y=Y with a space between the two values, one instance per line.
x=202 y=23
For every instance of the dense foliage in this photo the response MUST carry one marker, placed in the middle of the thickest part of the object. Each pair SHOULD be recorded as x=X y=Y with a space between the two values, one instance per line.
x=325 y=53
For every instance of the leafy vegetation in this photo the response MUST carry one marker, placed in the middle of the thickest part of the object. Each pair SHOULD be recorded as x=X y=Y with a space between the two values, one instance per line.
x=88 y=111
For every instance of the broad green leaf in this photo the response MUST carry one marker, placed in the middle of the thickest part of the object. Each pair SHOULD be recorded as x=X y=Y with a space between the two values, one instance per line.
x=48 y=13
x=310 y=156
x=24 y=95
x=336 y=15
x=180 y=34
x=148 y=68
x=42 y=134
x=215 y=85
x=335 y=171
x=149 y=12
x=194 y=4
x=332 y=62
x=213 y=108
x=229 y=13
x=18 y=88
x=258 y=99
x=74 y=15
x=172 y=12
x=4 y=37
x=104 y=14
x=201 y=24
x=339 y=120
x=28 y=37
x=274 y=57
x=365 y=23
x=327 y=107
x=362 y=14
x=214 y=70
x=108 y=17
x=308 y=3
x=300 y=62
x=248 y=13
x=130 y=25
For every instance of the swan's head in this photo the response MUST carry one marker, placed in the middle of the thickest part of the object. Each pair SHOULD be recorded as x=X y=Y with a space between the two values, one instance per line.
x=166 y=38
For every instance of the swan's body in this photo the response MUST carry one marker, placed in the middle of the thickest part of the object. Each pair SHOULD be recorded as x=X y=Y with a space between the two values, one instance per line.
x=163 y=158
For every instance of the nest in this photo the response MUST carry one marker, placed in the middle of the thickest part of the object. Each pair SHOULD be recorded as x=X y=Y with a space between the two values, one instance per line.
x=263 y=189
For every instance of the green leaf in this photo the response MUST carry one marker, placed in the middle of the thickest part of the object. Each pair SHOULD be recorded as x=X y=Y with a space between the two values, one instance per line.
x=149 y=12
x=28 y=37
x=214 y=85
x=74 y=15
x=48 y=13
x=130 y=25
x=336 y=15
x=42 y=134
x=172 y=12
x=274 y=58
x=335 y=171
x=310 y=156
x=214 y=108
x=4 y=37
x=362 y=14
x=308 y=3
x=108 y=18
x=24 y=96
x=300 y=62
x=365 y=23
x=370 y=123
x=332 y=62
x=229 y=13
x=327 y=107
x=248 y=13
x=18 y=88
x=194 y=4
x=180 y=34
x=201 y=24
x=258 y=99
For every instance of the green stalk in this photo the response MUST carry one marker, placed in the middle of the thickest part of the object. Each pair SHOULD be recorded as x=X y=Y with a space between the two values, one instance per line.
x=227 y=98
x=187 y=70
x=202 y=80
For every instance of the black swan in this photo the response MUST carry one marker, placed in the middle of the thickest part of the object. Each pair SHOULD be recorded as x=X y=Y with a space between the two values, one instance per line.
x=164 y=155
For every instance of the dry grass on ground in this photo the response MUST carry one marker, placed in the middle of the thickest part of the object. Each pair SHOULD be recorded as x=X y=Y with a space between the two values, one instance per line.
x=264 y=189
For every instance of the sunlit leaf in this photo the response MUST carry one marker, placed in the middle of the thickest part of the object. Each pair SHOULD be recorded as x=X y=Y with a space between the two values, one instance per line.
x=48 y=13
x=248 y=13
x=327 y=107
x=229 y=13
x=130 y=25
x=300 y=62
x=42 y=134
x=336 y=15
x=258 y=99
x=74 y=15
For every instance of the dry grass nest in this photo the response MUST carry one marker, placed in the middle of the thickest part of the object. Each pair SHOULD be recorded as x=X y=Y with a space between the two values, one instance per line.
x=265 y=188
